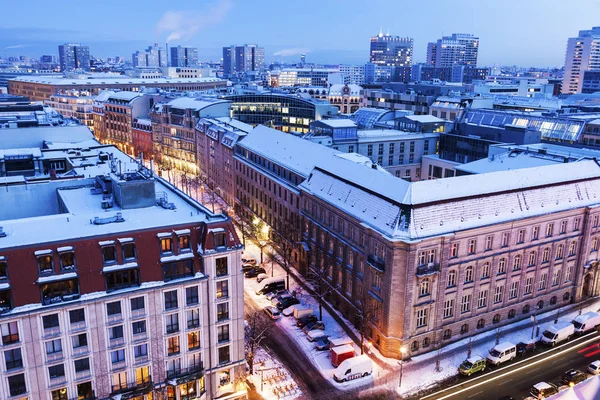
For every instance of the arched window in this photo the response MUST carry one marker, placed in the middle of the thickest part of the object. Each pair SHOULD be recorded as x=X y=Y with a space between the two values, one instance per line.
x=480 y=323
x=451 y=278
x=485 y=270
x=512 y=313
x=502 y=266
x=559 y=252
x=594 y=244
x=424 y=287
x=540 y=304
x=526 y=309
x=553 y=300
x=414 y=346
x=464 y=329
x=447 y=334
x=566 y=296
x=469 y=274
x=496 y=319
x=517 y=262
x=426 y=342
x=532 y=258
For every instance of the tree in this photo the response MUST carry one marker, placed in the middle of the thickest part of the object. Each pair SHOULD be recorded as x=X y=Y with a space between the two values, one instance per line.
x=318 y=273
x=365 y=309
x=256 y=330
x=164 y=166
x=285 y=238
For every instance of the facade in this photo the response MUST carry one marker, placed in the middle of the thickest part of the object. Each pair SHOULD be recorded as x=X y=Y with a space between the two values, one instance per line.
x=41 y=88
x=392 y=100
x=376 y=73
x=345 y=97
x=390 y=51
x=283 y=111
x=73 y=106
x=305 y=77
x=457 y=49
x=238 y=60
x=142 y=141
x=154 y=56
x=188 y=72
x=184 y=56
x=73 y=56
x=583 y=54
x=136 y=303
x=455 y=73
x=353 y=74
x=591 y=82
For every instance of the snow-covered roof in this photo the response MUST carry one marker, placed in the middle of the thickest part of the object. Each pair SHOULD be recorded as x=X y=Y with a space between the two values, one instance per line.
x=504 y=162
x=124 y=95
x=339 y=123
x=338 y=88
x=117 y=80
x=424 y=118
x=542 y=385
x=36 y=136
x=194 y=104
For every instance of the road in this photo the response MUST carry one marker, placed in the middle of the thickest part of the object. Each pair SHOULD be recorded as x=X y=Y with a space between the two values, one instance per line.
x=517 y=377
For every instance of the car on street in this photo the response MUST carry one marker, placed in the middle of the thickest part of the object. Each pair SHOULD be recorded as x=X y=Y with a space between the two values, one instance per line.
x=248 y=260
x=275 y=293
x=261 y=277
x=573 y=377
x=247 y=267
x=543 y=390
x=302 y=322
x=281 y=296
x=286 y=302
x=313 y=325
x=322 y=344
x=272 y=312
x=527 y=346
x=253 y=273
x=471 y=365
x=288 y=312
x=594 y=367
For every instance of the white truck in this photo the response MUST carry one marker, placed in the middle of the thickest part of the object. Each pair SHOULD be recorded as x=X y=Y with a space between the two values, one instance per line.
x=586 y=322
x=353 y=368
x=300 y=311
x=558 y=333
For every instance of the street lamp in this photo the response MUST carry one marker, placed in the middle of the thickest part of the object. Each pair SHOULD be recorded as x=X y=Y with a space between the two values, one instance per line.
x=403 y=351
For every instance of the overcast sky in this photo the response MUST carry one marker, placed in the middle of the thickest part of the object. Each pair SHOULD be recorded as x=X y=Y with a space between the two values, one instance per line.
x=521 y=32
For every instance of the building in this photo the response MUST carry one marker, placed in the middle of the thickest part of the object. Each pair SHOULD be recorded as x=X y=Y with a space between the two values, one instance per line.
x=142 y=140
x=154 y=56
x=375 y=73
x=20 y=112
x=353 y=74
x=345 y=97
x=583 y=54
x=591 y=82
x=396 y=100
x=184 y=56
x=457 y=49
x=289 y=113
x=73 y=56
x=188 y=72
x=238 y=60
x=41 y=88
x=136 y=294
x=305 y=77
x=73 y=106
x=391 y=51
x=523 y=88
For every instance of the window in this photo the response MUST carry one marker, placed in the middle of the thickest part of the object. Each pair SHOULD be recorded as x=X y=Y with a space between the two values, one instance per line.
x=67 y=260
x=514 y=290
x=448 y=308
x=553 y=300
x=76 y=316
x=115 y=332
x=222 y=311
x=171 y=300
x=454 y=250
x=184 y=243
x=549 y=229
x=505 y=239
x=482 y=299
x=50 y=321
x=496 y=319
x=485 y=270
x=193 y=318
x=119 y=381
x=572 y=248
x=568 y=274
x=422 y=258
x=220 y=237
x=117 y=356
x=469 y=274
x=221 y=266
x=113 y=308
x=563 y=226
x=426 y=342
x=13 y=359
x=542 y=283
x=56 y=371
x=173 y=345
x=502 y=266
x=82 y=365
x=430 y=256
x=109 y=255
x=79 y=341
x=532 y=258
x=3 y=268
x=191 y=295
x=140 y=350
x=595 y=221
x=178 y=269
x=84 y=391
x=517 y=262
x=535 y=233
x=223 y=355
x=512 y=313
x=520 y=236
x=122 y=279
x=222 y=289
x=451 y=278
x=546 y=255
x=138 y=327
x=481 y=323
x=466 y=303
x=16 y=384
x=472 y=246
x=498 y=294
x=464 y=328
x=424 y=287
x=128 y=250
x=559 y=252
x=223 y=333
x=594 y=246
x=540 y=304
x=137 y=303
x=166 y=245
x=576 y=222
x=193 y=339
x=421 y=318
x=45 y=264
x=172 y=323
x=489 y=240
x=528 y=285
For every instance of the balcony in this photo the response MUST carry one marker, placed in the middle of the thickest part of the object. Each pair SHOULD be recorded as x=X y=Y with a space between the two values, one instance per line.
x=137 y=388
x=51 y=332
x=376 y=262
x=183 y=375
x=81 y=375
x=116 y=342
x=79 y=351
x=428 y=269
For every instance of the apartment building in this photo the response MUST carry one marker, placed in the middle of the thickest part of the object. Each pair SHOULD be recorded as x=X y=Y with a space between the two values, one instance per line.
x=113 y=284
x=74 y=106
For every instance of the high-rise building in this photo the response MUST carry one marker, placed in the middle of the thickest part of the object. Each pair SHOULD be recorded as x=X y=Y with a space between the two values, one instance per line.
x=392 y=51
x=353 y=74
x=583 y=54
x=153 y=56
x=74 y=56
x=241 y=59
x=458 y=49
x=184 y=56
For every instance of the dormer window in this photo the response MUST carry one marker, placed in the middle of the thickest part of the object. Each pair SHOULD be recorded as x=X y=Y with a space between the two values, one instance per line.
x=166 y=245
x=44 y=260
x=128 y=250
x=109 y=254
x=3 y=269
x=67 y=259
x=220 y=239
x=184 y=243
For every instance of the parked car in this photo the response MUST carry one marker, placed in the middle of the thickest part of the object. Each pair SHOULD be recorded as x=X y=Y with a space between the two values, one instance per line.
x=272 y=295
x=586 y=322
x=248 y=260
x=247 y=267
x=472 y=365
x=270 y=285
x=302 y=322
x=288 y=301
x=322 y=344
x=573 y=377
x=315 y=334
x=594 y=368
x=261 y=277
x=353 y=368
x=281 y=296
x=313 y=325
x=253 y=273
x=272 y=312
x=525 y=347
x=543 y=389
x=288 y=312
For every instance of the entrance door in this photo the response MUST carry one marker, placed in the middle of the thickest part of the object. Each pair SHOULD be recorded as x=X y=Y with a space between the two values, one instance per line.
x=587 y=285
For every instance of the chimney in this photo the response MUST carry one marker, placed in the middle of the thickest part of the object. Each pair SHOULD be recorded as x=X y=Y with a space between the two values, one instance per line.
x=167 y=55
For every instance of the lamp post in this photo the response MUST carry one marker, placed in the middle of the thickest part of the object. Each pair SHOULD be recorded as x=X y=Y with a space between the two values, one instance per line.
x=403 y=351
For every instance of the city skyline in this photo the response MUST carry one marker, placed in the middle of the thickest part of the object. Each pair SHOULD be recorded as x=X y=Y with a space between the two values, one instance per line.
x=211 y=25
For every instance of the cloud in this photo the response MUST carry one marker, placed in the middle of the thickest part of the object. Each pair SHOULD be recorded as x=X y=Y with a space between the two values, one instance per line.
x=294 y=51
x=184 y=24
x=16 y=46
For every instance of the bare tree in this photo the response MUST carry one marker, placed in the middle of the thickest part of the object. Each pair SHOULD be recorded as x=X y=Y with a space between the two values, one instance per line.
x=285 y=238
x=256 y=330
x=164 y=166
x=318 y=274
x=364 y=311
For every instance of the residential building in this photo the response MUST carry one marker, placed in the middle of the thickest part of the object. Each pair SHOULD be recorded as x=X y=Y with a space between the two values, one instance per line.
x=136 y=294
x=154 y=56
x=457 y=49
x=73 y=56
x=390 y=51
x=523 y=88
x=188 y=72
x=74 y=106
x=353 y=74
x=396 y=100
x=142 y=140
x=238 y=60
x=583 y=54
x=376 y=73
x=591 y=82
x=305 y=77
x=184 y=56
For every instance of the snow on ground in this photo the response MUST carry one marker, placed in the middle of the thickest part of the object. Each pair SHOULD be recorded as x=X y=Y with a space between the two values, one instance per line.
x=271 y=379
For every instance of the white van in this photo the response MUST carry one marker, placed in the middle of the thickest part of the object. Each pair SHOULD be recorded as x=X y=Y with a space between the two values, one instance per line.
x=586 y=322
x=334 y=342
x=558 y=333
x=353 y=368
x=501 y=353
x=300 y=311
x=315 y=334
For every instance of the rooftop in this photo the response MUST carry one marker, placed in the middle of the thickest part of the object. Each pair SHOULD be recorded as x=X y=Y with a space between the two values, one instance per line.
x=424 y=118
x=339 y=123
x=120 y=80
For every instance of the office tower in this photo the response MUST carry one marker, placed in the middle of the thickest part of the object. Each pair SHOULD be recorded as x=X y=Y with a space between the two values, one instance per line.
x=392 y=51
x=184 y=56
x=153 y=56
x=74 y=56
x=457 y=49
x=583 y=54
x=240 y=59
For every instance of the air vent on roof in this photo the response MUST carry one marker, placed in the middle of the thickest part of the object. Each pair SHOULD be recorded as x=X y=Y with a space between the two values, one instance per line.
x=108 y=220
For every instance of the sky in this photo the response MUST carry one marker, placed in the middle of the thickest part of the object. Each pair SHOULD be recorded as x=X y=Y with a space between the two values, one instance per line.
x=511 y=32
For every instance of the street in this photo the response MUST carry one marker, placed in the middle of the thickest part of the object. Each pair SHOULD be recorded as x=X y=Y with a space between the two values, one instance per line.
x=518 y=376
